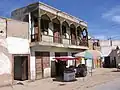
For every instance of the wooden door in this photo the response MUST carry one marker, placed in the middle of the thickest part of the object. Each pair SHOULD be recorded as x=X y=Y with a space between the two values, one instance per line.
x=46 y=59
x=107 y=62
x=39 y=67
x=17 y=68
x=20 y=67
x=24 y=67
x=42 y=62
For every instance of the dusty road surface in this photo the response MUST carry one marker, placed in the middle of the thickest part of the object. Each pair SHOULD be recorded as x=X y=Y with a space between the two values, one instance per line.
x=112 y=85
x=99 y=77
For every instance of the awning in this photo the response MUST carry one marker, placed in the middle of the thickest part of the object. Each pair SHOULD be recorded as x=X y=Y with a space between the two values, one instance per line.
x=65 y=58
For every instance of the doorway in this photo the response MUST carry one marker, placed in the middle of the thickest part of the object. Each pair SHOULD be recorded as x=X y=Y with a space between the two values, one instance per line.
x=107 y=62
x=60 y=65
x=21 y=68
x=114 y=63
x=42 y=61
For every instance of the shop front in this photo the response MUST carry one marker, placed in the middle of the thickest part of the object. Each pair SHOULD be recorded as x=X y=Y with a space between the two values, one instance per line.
x=68 y=72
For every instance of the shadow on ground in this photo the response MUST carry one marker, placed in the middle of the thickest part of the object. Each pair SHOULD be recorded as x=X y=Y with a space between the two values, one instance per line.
x=59 y=79
x=116 y=70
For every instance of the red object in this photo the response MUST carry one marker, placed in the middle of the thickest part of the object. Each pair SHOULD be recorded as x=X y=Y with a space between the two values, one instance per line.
x=65 y=58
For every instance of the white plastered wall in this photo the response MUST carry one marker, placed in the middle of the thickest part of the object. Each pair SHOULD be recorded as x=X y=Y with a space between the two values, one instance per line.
x=21 y=46
x=52 y=50
x=32 y=66
x=70 y=62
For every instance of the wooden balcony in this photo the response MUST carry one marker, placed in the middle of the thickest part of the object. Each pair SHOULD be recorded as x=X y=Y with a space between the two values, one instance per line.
x=83 y=43
x=57 y=40
x=46 y=38
x=73 y=42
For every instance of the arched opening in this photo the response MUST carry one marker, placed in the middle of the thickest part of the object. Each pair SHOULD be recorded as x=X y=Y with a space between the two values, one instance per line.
x=56 y=30
x=73 y=34
x=45 y=20
x=34 y=27
x=65 y=31
x=79 y=32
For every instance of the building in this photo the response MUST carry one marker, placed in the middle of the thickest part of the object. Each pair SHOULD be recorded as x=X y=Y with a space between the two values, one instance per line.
x=94 y=44
x=53 y=33
x=110 y=51
x=14 y=51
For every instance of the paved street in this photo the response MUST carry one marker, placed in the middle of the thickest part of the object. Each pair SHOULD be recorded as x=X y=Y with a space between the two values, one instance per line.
x=99 y=77
x=112 y=85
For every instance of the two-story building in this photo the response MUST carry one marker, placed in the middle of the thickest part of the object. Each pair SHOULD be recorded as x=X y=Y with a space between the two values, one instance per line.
x=52 y=33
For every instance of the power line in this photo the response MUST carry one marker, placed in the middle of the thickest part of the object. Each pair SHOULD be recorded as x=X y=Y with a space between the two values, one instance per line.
x=113 y=37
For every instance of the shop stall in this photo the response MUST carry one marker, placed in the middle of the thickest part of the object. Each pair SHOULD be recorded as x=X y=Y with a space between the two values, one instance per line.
x=69 y=72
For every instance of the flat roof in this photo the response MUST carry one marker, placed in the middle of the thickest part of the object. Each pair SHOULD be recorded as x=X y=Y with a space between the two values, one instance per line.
x=53 y=9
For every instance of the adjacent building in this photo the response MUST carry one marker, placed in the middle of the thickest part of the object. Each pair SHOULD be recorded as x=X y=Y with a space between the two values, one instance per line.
x=52 y=33
x=94 y=44
x=111 y=52
x=14 y=51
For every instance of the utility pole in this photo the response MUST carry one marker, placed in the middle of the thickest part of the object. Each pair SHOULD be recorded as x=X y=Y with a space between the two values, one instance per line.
x=110 y=41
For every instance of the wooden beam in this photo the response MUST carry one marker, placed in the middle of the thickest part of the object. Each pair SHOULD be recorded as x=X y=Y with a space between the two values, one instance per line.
x=76 y=35
x=61 y=37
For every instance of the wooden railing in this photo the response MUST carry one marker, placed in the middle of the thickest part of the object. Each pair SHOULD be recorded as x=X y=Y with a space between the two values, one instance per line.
x=57 y=39
x=35 y=38
x=83 y=43
x=73 y=42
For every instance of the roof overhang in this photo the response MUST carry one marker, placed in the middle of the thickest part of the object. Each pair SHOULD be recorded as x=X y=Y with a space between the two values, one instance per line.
x=59 y=45
x=78 y=47
x=65 y=58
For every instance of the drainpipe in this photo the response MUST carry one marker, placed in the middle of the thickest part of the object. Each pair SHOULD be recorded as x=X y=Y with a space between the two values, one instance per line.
x=39 y=24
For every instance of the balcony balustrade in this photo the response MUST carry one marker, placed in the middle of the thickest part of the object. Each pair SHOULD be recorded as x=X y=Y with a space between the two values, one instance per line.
x=59 y=40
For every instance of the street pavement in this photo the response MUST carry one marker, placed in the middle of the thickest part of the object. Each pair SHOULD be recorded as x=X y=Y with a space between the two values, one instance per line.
x=100 y=76
x=112 y=85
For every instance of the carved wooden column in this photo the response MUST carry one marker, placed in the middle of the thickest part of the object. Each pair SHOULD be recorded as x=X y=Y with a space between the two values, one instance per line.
x=87 y=36
x=68 y=31
x=61 y=37
x=39 y=26
x=76 y=35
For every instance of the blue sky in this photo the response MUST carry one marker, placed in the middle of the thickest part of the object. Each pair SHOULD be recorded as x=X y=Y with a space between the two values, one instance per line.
x=102 y=16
